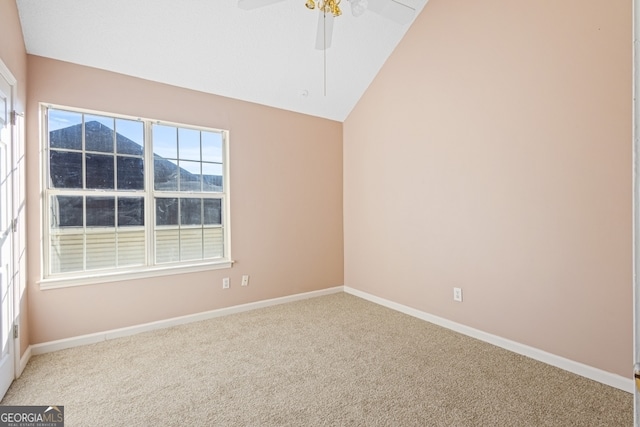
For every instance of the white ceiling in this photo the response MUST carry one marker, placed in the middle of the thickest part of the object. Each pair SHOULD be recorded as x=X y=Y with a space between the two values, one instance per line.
x=265 y=55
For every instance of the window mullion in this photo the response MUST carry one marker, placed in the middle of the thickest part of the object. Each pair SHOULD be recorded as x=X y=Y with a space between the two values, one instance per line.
x=84 y=197
x=149 y=199
x=117 y=234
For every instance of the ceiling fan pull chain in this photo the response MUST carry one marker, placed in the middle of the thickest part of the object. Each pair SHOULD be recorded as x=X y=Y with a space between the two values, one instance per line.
x=324 y=51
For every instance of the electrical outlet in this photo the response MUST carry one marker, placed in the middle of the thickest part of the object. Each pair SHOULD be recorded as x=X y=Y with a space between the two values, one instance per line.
x=457 y=294
x=225 y=283
x=245 y=280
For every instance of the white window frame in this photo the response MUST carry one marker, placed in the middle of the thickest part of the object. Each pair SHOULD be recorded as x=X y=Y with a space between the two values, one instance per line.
x=60 y=280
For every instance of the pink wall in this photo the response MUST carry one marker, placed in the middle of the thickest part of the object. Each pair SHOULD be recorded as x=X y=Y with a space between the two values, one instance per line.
x=12 y=50
x=14 y=56
x=286 y=203
x=493 y=153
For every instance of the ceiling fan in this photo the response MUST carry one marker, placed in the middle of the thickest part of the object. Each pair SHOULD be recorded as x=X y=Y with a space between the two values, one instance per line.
x=329 y=9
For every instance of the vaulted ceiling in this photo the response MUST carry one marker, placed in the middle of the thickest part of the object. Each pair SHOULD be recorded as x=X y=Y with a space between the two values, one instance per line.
x=265 y=55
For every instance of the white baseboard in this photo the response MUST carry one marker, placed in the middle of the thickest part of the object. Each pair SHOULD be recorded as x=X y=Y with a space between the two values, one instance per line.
x=62 y=344
x=23 y=361
x=608 y=378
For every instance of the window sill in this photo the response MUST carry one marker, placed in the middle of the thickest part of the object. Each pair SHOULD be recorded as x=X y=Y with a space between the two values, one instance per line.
x=98 y=278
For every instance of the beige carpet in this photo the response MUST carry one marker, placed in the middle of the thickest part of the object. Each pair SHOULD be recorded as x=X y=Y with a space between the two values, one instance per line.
x=329 y=361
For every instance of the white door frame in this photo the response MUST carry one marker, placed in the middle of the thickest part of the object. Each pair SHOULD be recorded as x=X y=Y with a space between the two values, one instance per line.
x=636 y=210
x=14 y=342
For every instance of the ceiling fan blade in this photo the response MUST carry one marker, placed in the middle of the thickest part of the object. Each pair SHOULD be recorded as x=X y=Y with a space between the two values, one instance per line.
x=255 y=4
x=393 y=10
x=325 y=31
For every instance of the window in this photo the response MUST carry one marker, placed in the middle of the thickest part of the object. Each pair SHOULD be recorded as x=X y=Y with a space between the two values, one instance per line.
x=127 y=195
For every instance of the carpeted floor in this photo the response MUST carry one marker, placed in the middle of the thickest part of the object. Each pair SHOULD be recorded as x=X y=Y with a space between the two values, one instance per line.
x=335 y=360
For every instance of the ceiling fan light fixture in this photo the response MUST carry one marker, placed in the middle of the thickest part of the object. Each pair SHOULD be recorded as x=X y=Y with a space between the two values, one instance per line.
x=330 y=6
